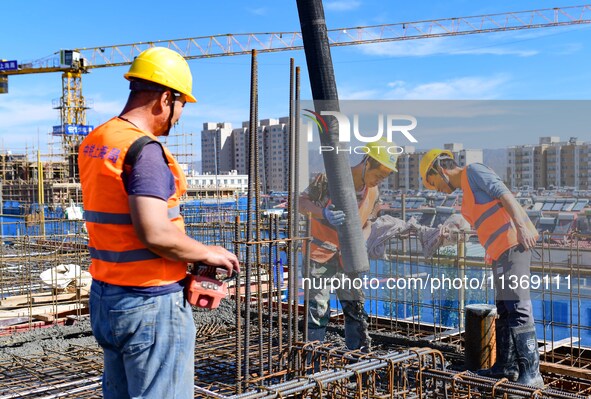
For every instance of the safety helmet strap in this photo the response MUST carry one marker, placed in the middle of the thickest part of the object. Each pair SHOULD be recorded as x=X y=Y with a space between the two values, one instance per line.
x=172 y=104
x=437 y=167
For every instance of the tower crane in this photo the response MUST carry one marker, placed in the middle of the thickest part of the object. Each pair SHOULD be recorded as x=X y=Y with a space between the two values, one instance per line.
x=74 y=63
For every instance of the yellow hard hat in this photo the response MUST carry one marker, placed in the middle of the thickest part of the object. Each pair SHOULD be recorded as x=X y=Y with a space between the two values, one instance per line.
x=381 y=151
x=163 y=66
x=427 y=163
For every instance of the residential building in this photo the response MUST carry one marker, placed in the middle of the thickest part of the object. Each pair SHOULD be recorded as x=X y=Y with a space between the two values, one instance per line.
x=231 y=152
x=409 y=176
x=216 y=146
x=464 y=157
x=550 y=164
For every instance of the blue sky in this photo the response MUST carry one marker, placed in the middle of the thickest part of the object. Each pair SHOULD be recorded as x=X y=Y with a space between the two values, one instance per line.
x=542 y=64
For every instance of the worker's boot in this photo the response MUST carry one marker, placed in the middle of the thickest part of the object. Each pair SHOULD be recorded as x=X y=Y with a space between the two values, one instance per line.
x=316 y=334
x=506 y=364
x=356 y=326
x=528 y=357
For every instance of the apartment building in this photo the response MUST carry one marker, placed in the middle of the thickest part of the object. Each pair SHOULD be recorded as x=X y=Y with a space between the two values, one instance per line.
x=551 y=163
x=216 y=145
x=409 y=176
x=464 y=156
x=230 y=150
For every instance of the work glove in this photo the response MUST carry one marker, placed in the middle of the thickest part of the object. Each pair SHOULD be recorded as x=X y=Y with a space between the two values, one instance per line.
x=332 y=216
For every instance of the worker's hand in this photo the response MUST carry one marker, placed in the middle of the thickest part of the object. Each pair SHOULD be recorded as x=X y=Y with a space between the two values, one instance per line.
x=332 y=216
x=220 y=256
x=526 y=238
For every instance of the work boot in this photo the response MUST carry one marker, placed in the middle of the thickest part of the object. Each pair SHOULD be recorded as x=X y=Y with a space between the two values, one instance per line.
x=528 y=357
x=506 y=364
x=316 y=334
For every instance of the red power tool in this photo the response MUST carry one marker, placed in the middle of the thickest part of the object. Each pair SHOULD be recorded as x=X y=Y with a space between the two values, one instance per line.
x=204 y=288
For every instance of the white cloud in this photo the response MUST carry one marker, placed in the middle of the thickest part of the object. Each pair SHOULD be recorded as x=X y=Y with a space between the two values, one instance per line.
x=258 y=11
x=17 y=112
x=496 y=51
x=396 y=83
x=470 y=87
x=107 y=108
x=342 y=5
x=347 y=93
x=430 y=108
x=498 y=43
x=435 y=46
x=569 y=48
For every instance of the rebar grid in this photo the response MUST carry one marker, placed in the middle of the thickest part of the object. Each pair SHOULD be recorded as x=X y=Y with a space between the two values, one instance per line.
x=262 y=289
x=421 y=309
x=319 y=371
x=216 y=361
x=414 y=373
x=566 y=383
x=23 y=258
x=411 y=313
x=24 y=298
x=76 y=374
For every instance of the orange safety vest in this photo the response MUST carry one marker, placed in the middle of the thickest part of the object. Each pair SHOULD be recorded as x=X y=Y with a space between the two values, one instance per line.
x=118 y=256
x=325 y=239
x=495 y=228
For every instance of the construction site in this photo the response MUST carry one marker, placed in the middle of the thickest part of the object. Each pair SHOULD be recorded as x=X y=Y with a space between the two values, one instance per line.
x=426 y=341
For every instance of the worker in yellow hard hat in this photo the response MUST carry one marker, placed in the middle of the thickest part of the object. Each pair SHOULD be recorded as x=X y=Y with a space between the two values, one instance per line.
x=159 y=69
x=326 y=263
x=131 y=186
x=508 y=236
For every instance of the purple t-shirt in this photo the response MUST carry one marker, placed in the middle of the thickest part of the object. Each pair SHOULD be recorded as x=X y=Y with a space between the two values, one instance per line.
x=152 y=177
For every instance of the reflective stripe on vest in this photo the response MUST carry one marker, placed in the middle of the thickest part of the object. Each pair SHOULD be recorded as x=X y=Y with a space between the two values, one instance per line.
x=496 y=234
x=121 y=218
x=488 y=213
x=134 y=255
x=493 y=224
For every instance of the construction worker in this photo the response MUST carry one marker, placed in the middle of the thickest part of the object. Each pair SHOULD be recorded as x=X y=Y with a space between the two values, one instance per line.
x=131 y=187
x=508 y=236
x=326 y=262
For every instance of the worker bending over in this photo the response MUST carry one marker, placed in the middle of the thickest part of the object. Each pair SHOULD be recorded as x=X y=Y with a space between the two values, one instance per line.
x=507 y=235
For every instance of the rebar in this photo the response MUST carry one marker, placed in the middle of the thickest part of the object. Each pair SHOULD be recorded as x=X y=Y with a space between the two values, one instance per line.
x=253 y=131
x=291 y=212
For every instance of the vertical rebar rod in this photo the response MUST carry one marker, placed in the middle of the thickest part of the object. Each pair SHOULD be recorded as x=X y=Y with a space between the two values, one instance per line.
x=238 y=306
x=544 y=358
x=249 y=222
x=306 y=263
x=552 y=322
x=257 y=231
x=290 y=211
x=461 y=265
x=271 y=263
x=296 y=195
x=579 y=329
x=279 y=299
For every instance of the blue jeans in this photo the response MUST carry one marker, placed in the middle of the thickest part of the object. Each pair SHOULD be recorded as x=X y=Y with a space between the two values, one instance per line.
x=148 y=343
